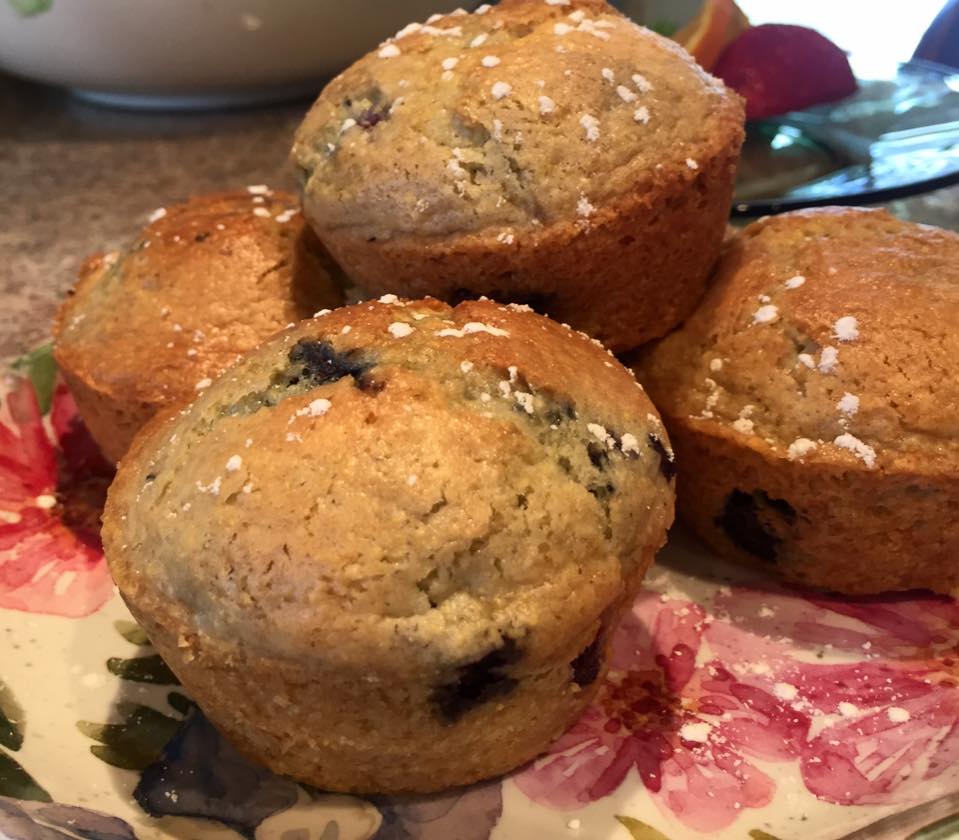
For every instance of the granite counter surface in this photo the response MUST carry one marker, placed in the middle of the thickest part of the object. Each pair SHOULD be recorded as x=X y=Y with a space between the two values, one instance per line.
x=76 y=179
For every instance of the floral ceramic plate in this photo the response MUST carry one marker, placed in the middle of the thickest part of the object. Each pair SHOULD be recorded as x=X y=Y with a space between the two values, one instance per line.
x=734 y=708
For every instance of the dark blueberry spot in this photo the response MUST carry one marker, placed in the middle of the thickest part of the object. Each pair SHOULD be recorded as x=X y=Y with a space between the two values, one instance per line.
x=750 y=519
x=370 y=117
x=478 y=682
x=598 y=456
x=150 y=477
x=371 y=239
x=602 y=492
x=201 y=237
x=318 y=363
x=565 y=465
x=667 y=461
x=522 y=501
x=347 y=102
x=586 y=666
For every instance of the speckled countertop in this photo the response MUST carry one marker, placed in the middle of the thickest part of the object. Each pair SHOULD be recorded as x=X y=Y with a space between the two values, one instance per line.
x=75 y=179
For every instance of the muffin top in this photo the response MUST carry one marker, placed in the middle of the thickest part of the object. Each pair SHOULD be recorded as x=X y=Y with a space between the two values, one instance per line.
x=523 y=114
x=399 y=482
x=205 y=281
x=828 y=336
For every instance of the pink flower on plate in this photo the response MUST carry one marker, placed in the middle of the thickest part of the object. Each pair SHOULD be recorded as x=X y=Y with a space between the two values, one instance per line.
x=688 y=729
x=51 y=490
x=887 y=713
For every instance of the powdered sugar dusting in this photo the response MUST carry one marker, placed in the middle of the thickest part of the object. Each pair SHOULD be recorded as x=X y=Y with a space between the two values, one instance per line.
x=399 y=329
x=861 y=450
x=846 y=328
x=801 y=447
x=590 y=126
x=766 y=314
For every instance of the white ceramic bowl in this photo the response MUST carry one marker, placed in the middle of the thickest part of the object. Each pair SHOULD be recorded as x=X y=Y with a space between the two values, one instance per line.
x=199 y=53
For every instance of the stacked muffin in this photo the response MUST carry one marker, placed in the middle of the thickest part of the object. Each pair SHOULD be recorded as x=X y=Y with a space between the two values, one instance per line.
x=385 y=549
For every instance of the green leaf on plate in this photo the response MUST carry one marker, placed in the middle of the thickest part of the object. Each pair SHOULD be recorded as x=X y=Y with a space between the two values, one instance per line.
x=11 y=720
x=759 y=834
x=41 y=369
x=26 y=8
x=137 y=742
x=640 y=830
x=132 y=632
x=663 y=27
x=18 y=783
x=146 y=669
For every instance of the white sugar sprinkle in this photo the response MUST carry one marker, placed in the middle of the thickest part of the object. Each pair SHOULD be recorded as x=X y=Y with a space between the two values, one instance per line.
x=584 y=208
x=286 y=215
x=766 y=314
x=479 y=40
x=716 y=364
x=234 y=463
x=608 y=74
x=321 y=312
x=519 y=307
x=506 y=238
x=641 y=114
x=157 y=214
x=259 y=189
x=600 y=433
x=213 y=488
x=347 y=124
x=785 y=691
x=489 y=61
x=525 y=401
x=696 y=732
x=861 y=450
x=546 y=105
x=828 y=360
x=846 y=328
x=848 y=404
x=470 y=328
x=801 y=447
x=642 y=83
x=466 y=367
x=562 y=28
x=203 y=383
x=483 y=9
x=577 y=16
x=346 y=329
x=398 y=329
x=573 y=824
x=897 y=714
x=501 y=89
x=450 y=63
x=847 y=709
x=795 y=282
x=807 y=360
x=262 y=212
x=625 y=93
x=557 y=2
x=744 y=425
x=388 y=299
x=591 y=126
x=692 y=164
x=629 y=443
x=389 y=51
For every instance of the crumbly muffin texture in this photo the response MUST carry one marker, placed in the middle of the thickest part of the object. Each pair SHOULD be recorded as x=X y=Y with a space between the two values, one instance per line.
x=554 y=154
x=812 y=400
x=205 y=281
x=413 y=526
x=502 y=120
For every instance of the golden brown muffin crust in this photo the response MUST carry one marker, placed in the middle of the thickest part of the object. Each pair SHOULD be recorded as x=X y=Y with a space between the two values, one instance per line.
x=812 y=402
x=205 y=281
x=414 y=524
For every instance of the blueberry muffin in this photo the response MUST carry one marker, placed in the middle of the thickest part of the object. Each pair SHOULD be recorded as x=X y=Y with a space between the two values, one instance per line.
x=812 y=402
x=554 y=154
x=204 y=282
x=384 y=552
